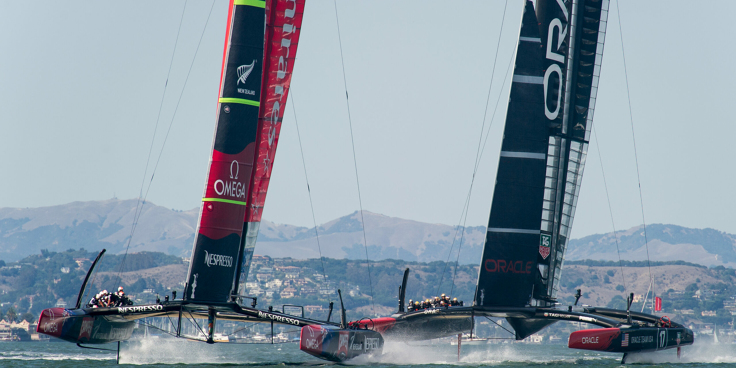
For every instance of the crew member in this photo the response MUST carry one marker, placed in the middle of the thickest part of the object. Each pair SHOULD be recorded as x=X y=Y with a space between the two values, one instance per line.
x=93 y=302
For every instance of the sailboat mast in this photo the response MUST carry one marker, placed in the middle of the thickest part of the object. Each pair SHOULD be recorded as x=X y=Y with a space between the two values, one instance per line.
x=578 y=65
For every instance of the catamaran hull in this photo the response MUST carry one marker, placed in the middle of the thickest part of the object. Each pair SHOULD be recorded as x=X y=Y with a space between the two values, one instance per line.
x=424 y=325
x=332 y=343
x=77 y=326
x=629 y=340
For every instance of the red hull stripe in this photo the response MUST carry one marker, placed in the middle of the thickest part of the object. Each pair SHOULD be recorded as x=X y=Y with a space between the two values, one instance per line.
x=594 y=339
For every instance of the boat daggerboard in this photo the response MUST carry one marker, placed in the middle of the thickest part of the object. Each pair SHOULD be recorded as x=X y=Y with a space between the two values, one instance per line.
x=283 y=27
x=216 y=248
x=543 y=152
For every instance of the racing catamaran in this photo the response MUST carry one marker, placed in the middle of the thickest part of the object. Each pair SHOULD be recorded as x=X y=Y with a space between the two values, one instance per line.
x=548 y=125
x=260 y=49
x=545 y=142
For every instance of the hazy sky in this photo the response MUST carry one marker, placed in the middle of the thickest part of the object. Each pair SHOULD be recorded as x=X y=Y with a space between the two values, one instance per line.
x=81 y=84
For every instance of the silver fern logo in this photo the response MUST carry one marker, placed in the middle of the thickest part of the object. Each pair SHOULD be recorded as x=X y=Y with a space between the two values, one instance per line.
x=244 y=71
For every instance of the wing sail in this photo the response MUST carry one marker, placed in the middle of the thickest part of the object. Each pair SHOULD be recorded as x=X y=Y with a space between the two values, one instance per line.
x=283 y=27
x=212 y=271
x=550 y=115
x=509 y=257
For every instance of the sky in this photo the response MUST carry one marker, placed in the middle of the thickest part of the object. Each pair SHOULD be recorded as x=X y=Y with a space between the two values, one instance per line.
x=84 y=97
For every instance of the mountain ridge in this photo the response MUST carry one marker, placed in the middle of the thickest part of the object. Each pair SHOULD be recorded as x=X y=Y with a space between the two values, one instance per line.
x=94 y=225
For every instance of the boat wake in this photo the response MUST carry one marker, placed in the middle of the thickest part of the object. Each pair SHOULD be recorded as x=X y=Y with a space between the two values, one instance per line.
x=174 y=351
x=400 y=353
x=46 y=356
x=708 y=352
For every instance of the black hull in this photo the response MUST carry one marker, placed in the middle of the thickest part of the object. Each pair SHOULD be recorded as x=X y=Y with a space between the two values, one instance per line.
x=423 y=325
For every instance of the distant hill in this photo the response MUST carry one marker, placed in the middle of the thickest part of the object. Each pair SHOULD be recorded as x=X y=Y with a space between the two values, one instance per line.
x=707 y=247
x=95 y=225
x=387 y=237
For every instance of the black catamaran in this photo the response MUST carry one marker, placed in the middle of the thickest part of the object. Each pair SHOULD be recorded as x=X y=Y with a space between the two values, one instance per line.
x=548 y=125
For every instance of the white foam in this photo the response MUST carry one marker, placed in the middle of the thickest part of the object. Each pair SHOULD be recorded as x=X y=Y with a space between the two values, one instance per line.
x=492 y=354
x=701 y=352
x=175 y=351
x=30 y=356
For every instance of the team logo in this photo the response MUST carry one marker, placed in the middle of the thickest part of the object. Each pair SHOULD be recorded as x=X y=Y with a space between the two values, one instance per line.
x=194 y=283
x=244 y=71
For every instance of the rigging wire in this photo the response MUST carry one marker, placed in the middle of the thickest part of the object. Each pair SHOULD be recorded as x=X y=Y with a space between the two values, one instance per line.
x=610 y=210
x=497 y=324
x=138 y=206
x=355 y=160
x=464 y=212
x=636 y=157
x=309 y=191
x=477 y=165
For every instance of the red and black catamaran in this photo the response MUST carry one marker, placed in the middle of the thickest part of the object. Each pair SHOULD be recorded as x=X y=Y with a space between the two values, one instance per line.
x=260 y=49
x=548 y=125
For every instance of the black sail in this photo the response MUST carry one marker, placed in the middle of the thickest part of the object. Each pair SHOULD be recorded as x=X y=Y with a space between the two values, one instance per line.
x=540 y=168
x=508 y=267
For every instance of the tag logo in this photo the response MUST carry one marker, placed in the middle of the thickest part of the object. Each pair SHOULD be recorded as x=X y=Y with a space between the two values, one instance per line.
x=544 y=245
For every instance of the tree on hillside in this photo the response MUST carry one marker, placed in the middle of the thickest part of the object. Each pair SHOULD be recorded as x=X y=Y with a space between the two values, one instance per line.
x=28 y=316
x=10 y=315
x=617 y=302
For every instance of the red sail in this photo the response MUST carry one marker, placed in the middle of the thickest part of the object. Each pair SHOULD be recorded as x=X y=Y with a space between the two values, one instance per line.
x=283 y=26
